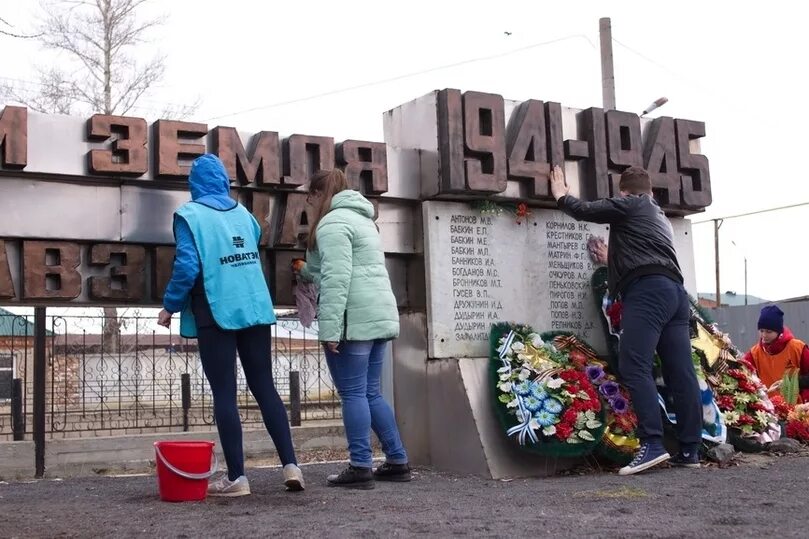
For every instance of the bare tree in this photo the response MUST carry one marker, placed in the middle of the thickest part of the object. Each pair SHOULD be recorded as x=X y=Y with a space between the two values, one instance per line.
x=98 y=70
x=7 y=29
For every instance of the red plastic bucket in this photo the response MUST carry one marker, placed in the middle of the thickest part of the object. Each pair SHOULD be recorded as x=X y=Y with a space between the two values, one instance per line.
x=183 y=470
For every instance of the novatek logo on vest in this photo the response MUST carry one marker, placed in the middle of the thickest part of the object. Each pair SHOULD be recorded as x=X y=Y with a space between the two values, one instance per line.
x=240 y=259
x=238 y=242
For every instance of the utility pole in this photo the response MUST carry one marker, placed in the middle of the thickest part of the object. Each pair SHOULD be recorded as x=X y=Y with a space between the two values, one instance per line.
x=717 y=223
x=607 y=71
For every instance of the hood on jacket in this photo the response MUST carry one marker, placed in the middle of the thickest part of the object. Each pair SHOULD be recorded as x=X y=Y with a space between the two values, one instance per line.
x=208 y=177
x=778 y=345
x=353 y=200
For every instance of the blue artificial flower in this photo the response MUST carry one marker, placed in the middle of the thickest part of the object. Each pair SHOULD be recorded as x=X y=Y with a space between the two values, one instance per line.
x=531 y=403
x=545 y=418
x=538 y=391
x=523 y=388
x=552 y=406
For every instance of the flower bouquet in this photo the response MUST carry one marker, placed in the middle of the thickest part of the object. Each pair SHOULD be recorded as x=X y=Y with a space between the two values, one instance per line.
x=743 y=400
x=543 y=402
x=620 y=440
x=798 y=423
x=782 y=409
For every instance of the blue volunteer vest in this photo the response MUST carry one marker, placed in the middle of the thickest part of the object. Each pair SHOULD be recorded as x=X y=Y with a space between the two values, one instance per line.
x=227 y=244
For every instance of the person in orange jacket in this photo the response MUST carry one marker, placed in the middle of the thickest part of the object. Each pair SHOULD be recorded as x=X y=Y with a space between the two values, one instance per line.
x=777 y=352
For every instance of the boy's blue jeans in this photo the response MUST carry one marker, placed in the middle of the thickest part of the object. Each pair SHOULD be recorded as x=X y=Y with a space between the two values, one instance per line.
x=356 y=370
x=655 y=317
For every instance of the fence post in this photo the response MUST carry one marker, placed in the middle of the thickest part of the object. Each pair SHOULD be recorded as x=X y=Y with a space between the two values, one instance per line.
x=40 y=371
x=17 y=417
x=295 y=398
x=185 y=382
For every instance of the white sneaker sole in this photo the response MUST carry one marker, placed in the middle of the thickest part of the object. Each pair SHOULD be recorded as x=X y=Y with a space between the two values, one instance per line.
x=626 y=470
x=235 y=494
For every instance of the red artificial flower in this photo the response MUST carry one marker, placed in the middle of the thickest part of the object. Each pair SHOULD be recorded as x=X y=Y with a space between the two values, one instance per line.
x=569 y=417
x=782 y=409
x=563 y=431
x=746 y=420
x=757 y=406
x=747 y=387
x=614 y=313
x=737 y=374
x=568 y=375
x=522 y=212
x=798 y=430
x=725 y=403
x=578 y=359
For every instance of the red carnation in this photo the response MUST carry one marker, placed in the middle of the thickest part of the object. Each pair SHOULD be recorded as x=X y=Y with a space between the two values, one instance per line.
x=746 y=420
x=563 y=431
x=569 y=416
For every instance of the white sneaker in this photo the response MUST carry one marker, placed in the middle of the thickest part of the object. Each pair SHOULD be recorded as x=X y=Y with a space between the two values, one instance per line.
x=293 y=478
x=226 y=488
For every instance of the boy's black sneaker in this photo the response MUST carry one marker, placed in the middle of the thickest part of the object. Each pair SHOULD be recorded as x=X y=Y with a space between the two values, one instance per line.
x=393 y=472
x=686 y=460
x=353 y=477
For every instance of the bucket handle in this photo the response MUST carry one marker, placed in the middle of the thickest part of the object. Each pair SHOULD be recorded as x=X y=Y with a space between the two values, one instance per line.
x=188 y=475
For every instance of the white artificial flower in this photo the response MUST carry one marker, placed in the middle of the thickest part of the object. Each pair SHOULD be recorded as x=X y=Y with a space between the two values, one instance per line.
x=517 y=347
x=505 y=387
x=533 y=424
x=536 y=340
x=549 y=431
x=512 y=404
x=555 y=383
x=524 y=374
x=504 y=369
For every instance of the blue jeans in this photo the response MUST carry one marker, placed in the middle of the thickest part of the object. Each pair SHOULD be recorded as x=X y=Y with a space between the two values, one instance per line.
x=356 y=370
x=656 y=314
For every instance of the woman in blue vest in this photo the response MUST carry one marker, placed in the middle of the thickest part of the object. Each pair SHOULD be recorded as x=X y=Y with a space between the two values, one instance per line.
x=218 y=284
x=357 y=316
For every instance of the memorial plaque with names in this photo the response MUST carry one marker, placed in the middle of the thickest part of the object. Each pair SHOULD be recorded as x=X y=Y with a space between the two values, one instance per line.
x=484 y=269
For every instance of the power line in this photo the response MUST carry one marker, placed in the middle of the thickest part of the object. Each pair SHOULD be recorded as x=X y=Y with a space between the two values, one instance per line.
x=404 y=76
x=751 y=213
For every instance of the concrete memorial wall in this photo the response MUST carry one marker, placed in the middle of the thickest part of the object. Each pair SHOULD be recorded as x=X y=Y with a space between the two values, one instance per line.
x=87 y=204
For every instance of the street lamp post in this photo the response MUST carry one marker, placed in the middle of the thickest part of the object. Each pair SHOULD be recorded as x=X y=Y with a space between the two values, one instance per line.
x=745 y=271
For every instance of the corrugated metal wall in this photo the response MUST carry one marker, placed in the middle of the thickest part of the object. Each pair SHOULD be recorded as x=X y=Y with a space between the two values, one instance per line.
x=741 y=322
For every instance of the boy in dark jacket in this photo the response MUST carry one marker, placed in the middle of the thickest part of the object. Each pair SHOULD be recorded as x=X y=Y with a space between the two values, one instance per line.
x=643 y=270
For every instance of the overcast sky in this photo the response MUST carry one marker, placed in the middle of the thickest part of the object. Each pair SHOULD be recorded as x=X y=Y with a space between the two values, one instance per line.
x=737 y=66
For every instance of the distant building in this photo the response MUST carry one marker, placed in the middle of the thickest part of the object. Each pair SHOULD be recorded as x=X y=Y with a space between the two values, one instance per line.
x=730 y=299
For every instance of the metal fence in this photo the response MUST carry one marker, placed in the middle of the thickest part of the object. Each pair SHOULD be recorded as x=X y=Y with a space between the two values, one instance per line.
x=741 y=322
x=141 y=380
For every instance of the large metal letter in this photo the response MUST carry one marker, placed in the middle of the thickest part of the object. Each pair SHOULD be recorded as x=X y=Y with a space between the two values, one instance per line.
x=260 y=165
x=169 y=150
x=49 y=270
x=128 y=154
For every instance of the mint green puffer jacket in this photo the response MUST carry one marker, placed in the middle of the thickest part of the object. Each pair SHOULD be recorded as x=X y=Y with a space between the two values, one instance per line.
x=348 y=266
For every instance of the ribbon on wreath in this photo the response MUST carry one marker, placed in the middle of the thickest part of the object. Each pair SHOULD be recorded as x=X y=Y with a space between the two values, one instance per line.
x=524 y=428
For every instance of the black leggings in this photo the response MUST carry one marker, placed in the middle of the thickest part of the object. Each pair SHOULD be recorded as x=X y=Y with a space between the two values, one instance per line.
x=217 y=350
